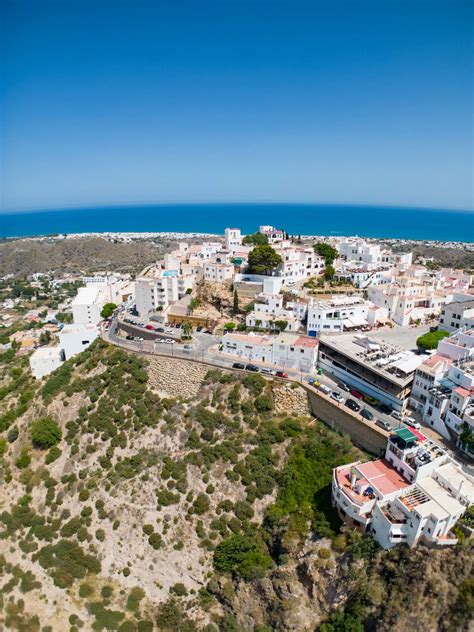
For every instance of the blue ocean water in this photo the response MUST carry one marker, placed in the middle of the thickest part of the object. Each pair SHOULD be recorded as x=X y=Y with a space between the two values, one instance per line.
x=296 y=219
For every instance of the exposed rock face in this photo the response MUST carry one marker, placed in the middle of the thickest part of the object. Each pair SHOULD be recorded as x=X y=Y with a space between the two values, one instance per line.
x=290 y=400
x=176 y=378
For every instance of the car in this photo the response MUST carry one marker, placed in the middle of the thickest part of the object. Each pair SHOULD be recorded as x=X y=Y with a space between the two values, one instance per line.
x=314 y=382
x=178 y=325
x=170 y=341
x=238 y=365
x=266 y=371
x=385 y=409
x=138 y=339
x=251 y=367
x=397 y=415
x=168 y=330
x=187 y=347
x=344 y=387
x=198 y=329
x=366 y=414
x=356 y=394
x=160 y=330
x=381 y=423
x=290 y=283
x=433 y=329
x=350 y=403
x=324 y=389
x=337 y=396
x=409 y=421
x=281 y=374
x=208 y=331
x=150 y=327
x=129 y=337
x=371 y=400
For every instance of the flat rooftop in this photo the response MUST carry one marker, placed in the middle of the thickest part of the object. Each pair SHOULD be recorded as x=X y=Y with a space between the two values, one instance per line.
x=47 y=353
x=86 y=295
x=382 y=477
x=388 y=360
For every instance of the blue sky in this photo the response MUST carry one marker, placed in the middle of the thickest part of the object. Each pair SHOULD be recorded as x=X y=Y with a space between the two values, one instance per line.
x=147 y=101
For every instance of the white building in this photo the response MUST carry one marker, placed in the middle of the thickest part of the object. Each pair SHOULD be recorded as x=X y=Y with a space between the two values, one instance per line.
x=74 y=339
x=161 y=289
x=269 y=309
x=408 y=300
x=414 y=493
x=233 y=239
x=274 y=235
x=87 y=305
x=298 y=263
x=457 y=314
x=218 y=272
x=285 y=351
x=443 y=387
x=45 y=360
x=338 y=314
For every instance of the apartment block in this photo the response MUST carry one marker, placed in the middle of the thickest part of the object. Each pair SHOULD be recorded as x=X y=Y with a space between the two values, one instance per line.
x=415 y=493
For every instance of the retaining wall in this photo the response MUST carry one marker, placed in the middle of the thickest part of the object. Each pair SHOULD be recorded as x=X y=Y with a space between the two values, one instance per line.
x=363 y=433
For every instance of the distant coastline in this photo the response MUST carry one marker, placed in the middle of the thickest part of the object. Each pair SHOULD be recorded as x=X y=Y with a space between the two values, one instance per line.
x=297 y=219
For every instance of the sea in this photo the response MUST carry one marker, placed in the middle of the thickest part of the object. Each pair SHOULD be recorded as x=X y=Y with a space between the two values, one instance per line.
x=296 y=219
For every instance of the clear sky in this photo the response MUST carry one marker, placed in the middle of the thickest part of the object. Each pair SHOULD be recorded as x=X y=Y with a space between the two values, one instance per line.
x=136 y=101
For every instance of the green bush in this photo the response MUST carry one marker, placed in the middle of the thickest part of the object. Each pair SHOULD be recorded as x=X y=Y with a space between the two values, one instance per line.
x=431 y=339
x=134 y=598
x=155 y=540
x=179 y=589
x=242 y=555
x=24 y=459
x=45 y=433
x=53 y=454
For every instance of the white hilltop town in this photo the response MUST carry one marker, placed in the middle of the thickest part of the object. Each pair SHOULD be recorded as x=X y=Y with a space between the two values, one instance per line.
x=381 y=337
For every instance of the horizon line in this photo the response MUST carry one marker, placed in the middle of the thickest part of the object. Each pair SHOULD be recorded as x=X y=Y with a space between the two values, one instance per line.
x=109 y=205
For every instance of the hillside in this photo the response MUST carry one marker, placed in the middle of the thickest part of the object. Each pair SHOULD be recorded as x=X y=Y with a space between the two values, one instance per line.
x=134 y=502
x=84 y=255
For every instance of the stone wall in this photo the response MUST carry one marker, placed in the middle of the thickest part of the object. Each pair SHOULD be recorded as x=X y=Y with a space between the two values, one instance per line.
x=365 y=434
x=291 y=400
x=176 y=378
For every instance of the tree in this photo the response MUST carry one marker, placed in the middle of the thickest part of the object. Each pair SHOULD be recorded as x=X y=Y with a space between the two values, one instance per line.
x=255 y=239
x=108 y=310
x=263 y=260
x=45 y=433
x=430 y=340
x=325 y=250
x=187 y=329
x=235 y=307
x=329 y=273
x=45 y=337
x=281 y=324
x=193 y=303
x=229 y=326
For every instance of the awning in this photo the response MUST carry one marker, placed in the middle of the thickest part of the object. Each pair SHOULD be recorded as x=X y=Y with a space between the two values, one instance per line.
x=354 y=321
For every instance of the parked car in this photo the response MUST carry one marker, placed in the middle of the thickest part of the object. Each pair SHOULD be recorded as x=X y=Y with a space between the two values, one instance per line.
x=409 y=421
x=383 y=424
x=251 y=367
x=337 y=396
x=397 y=415
x=238 y=365
x=324 y=389
x=385 y=409
x=356 y=394
x=208 y=331
x=281 y=374
x=344 y=387
x=266 y=371
x=198 y=329
x=366 y=414
x=314 y=382
x=371 y=400
x=350 y=403
x=160 y=330
x=129 y=337
x=150 y=327
x=178 y=325
x=168 y=330
x=138 y=339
